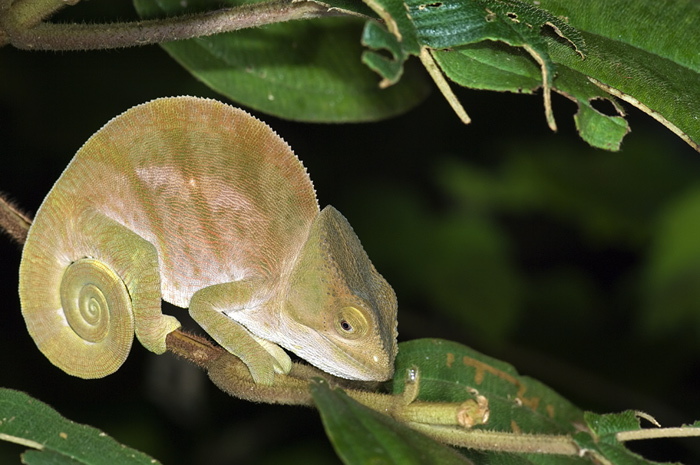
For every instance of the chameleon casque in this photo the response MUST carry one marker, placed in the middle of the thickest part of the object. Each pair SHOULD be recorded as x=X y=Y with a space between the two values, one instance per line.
x=202 y=205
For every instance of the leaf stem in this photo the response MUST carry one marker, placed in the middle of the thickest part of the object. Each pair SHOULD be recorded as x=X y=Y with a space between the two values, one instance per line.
x=679 y=432
x=434 y=70
x=546 y=86
x=500 y=441
x=48 y=36
x=232 y=376
x=653 y=113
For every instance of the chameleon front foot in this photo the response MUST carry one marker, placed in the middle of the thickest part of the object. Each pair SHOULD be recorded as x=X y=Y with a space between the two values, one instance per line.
x=283 y=364
x=263 y=358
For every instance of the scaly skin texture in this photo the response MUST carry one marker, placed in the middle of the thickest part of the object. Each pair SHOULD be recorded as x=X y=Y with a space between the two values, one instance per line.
x=204 y=206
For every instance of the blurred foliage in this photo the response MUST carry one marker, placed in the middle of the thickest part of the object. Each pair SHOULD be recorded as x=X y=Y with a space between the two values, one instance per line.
x=468 y=246
x=578 y=266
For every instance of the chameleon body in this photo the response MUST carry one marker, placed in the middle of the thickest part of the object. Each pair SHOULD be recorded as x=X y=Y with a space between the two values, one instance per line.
x=200 y=204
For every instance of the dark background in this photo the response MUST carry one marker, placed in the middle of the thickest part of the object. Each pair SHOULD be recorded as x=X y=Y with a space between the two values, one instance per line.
x=525 y=244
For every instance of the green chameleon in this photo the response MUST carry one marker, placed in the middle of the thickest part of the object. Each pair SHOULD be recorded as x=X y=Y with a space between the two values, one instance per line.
x=200 y=204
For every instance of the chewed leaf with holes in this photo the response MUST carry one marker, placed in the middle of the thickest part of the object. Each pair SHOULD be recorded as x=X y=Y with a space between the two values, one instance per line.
x=567 y=47
x=642 y=52
x=607 y=434
x=445 y=24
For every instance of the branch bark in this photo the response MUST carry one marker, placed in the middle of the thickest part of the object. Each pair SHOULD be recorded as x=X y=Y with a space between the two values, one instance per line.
x=13 y=222
x=21 y=29
x=441 y=421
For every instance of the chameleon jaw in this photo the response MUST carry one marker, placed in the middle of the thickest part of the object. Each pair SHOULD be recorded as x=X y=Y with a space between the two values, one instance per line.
x=343 y=364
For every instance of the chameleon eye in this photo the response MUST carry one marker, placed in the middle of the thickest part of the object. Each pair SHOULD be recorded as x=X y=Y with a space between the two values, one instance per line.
x=350 y=323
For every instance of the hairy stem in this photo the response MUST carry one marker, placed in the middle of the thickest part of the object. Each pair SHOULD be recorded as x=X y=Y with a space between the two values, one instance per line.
x=48 y=36
x=13 y=222
x=500 y=441
x=636 y=435
x=195 y=349
x=232 y=376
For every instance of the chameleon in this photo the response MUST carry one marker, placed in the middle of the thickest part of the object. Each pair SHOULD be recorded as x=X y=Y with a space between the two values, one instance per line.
x=200 y=204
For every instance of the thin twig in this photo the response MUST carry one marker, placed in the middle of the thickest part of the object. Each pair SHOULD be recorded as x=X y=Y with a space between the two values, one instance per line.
x=48 y=36
x=500 y=441
x=13 y=221
x=657 y=433
x=435 y=72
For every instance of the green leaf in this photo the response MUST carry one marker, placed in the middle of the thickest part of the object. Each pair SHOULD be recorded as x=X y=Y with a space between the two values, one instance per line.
x=604 y=442
x=300 y=70
x=397 y=36
x=447 y=24
x=450 y=23
x=599 y=130
x=46 y=457
x=606 y=426
x=361 y=436
x=29 y=422
x=494 y=66
x=668 y=91
x=451 y=372
x=666 y=29
x=642 y=49
x=517 y=403
x=490 y=66
x=378 y=38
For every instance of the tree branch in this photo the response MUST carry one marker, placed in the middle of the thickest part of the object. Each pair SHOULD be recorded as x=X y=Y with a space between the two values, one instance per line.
x=48 y=36
x=232 y=376
x=13 y=222
x=29 y=13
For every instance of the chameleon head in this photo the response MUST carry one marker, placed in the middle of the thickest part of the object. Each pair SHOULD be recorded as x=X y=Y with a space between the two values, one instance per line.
x=345 y=310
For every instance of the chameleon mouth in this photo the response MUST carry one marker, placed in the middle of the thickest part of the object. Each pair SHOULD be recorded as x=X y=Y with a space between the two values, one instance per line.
x=374 y=368
x=329 y=355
